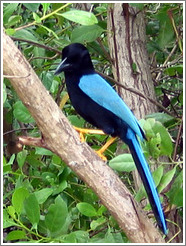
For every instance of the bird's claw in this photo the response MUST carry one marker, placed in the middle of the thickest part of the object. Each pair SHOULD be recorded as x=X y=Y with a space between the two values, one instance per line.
x=98 y=152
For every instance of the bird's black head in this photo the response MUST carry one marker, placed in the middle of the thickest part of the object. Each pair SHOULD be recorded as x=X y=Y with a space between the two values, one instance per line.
x=75 y=59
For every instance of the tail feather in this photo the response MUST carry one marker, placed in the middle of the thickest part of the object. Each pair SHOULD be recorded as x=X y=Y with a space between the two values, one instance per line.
x=147 y=179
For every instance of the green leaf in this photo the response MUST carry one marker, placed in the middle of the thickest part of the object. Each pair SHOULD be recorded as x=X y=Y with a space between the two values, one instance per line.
x=162 y=117
x=101 y=210
x=10 y=31
x=42 y=151
x=11 y=160
x=8 y=11
x=25 y=34
x=76 y=237
x=172 y=71
x=31 y=6
x=155 y=144
x=4 y=160
x=160 y=142
x=38 y=52
x=75 y=120
x=86 y=33
x=13 y=20
x=32 y=209
x=56 y=215
x=50 y=31
x=59 y=188
x=43 y=194
x=47 y=79
x=157 y=175
x=81 y=17
x=18 y=198
x=21 y=113
x=166 y=32
x=36 y=17
x=34 y=161
x=166 y=146
x=123 y=163
x=175 y=194
x=11 y=211
x=7 y=221
x=147 y=127
x=181 y=98
x=45 y=7
x=16 y=235
x=21 y=157
x=86 y=209
x=109 y=237
x=166 y=179
x=48 y=177
x=95 y=223
x=56 y=160
x=4 y=93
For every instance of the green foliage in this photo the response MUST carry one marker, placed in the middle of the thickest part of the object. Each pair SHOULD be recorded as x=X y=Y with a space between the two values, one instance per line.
x=86 y=209
x=175 y=194
x=56 y=216
x=80 y=17
x=117 y=163
x=32 y=210
x=86 y=33
x=44 y=201
x=18 y=198
x=159 y=140
x=21 y=113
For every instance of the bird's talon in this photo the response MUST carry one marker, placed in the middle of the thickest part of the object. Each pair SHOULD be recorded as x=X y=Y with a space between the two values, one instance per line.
x=82 y=138
x=101 y=155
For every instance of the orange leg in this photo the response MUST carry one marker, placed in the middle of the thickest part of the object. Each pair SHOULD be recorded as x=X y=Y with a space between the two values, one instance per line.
x=83 y=131
x=104 y=147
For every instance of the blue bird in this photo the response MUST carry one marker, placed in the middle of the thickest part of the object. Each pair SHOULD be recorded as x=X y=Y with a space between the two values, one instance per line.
x=98 y=103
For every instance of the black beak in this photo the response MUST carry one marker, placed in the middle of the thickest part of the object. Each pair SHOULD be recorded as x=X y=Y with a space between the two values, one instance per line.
x=62 y=66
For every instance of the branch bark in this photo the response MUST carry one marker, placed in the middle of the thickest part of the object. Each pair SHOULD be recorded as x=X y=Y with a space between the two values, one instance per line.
x=63 y=140
x=127 y=44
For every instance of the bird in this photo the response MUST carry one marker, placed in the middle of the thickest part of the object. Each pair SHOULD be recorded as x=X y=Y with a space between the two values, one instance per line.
x=98 y=103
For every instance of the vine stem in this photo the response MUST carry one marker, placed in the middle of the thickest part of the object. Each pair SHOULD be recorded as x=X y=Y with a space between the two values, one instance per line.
x=43 y=17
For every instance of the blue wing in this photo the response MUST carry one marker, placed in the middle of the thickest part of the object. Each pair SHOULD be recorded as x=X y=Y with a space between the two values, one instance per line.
x=103 y=94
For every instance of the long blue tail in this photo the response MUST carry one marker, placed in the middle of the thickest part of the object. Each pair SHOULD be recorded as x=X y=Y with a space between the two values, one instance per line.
x=146 y=177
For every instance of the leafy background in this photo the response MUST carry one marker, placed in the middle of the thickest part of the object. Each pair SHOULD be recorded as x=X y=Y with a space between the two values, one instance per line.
x=43 y=200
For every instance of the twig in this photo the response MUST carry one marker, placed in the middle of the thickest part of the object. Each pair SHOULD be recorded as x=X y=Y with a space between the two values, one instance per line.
x=98 y=231
x=170 y=14
x=107 y=55
x=15 y=130
x=36 y=44
x=47 y=58
x=178 y=140
x=165 y=62
x=43 y=17
x=31 y=141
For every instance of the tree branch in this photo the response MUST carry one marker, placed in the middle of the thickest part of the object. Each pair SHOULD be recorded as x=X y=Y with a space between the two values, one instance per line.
x=60 y=137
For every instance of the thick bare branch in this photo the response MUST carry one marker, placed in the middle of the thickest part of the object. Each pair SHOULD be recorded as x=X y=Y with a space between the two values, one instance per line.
x=60 y=137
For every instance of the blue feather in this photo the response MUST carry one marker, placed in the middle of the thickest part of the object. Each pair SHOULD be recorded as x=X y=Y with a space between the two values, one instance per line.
x=103 y=94
x=146 y=177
